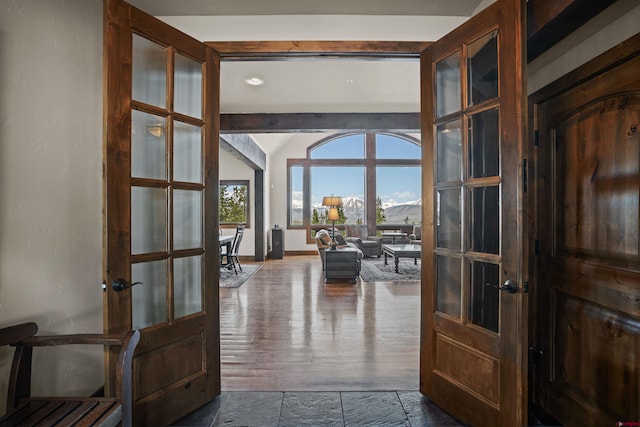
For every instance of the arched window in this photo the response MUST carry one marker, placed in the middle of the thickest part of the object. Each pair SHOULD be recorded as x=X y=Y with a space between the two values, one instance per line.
x=376 y=174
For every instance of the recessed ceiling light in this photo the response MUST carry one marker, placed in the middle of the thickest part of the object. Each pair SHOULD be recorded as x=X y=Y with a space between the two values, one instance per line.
x=254 y=81
x=350 y=81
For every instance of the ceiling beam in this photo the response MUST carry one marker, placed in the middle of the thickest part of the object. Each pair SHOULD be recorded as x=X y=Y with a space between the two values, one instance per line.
x=273 y=50
x=549 y=21
x=244 y=148
x=319 y=122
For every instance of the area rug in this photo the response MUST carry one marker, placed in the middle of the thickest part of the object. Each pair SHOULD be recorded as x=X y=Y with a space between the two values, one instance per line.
x=229 y=279
x=374 y=270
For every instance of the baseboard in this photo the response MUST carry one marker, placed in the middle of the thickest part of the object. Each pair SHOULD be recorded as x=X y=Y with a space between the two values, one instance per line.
x=297 y=253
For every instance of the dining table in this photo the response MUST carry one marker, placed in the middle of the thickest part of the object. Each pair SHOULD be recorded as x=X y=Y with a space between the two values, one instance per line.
x=225 y=241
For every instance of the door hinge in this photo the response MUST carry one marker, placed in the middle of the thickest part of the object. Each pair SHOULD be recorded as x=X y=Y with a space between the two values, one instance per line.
x=524 y=175
x=525 y=287
x=536 y=137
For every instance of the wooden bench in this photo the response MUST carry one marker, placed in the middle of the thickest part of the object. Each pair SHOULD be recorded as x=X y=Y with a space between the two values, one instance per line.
x=26 y=410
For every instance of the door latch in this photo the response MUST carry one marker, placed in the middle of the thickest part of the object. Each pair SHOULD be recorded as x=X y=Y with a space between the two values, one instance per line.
x=508 y=286
x=119 y=285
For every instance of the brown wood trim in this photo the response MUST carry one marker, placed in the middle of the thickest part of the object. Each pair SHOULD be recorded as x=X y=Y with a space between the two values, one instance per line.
x=313 y=122
x=252 y=49
x=602 y=63
x=549 y=21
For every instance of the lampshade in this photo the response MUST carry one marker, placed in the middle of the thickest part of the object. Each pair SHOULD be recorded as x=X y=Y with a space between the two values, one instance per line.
x=332 y=201
x=333 y=214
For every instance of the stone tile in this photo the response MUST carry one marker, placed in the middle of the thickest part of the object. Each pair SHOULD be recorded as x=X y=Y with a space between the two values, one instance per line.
x=250 y=409
x=373 y=409
x=422 y=412
x=203 y=416
x=311 y=409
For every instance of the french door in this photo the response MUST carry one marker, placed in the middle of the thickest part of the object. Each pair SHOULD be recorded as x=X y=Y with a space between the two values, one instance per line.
x=161 y=248
x=473 y=339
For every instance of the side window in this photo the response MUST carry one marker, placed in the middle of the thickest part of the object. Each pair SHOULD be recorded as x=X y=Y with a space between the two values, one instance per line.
x=234 y=202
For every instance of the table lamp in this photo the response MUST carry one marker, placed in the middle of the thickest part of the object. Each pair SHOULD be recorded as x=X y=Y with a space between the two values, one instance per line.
x=333 y=202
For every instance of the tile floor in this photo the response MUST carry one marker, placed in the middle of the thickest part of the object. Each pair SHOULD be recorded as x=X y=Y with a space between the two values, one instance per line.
x=382 y=408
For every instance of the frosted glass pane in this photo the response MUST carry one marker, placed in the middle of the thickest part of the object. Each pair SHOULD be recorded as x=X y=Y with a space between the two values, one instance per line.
x=148 y=146
x=449 y=211
x=148 y=220
x=448 y=85
x=188 y=87
x=448 y=283
x=484 y=144
x=149 y=300
x=149 y=72
x=449 y=152
x=187 y=153
x=187 y=219
x=484 y=306
x=187 y=285
x=482 y=69
x=485 y=211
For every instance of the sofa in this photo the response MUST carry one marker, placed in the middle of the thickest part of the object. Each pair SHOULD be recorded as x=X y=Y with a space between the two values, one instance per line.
x=323 y=242
x=358 y=234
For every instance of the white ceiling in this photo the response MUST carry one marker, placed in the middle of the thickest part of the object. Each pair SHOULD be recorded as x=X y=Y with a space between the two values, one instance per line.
x=315 y=85
x=307 y=7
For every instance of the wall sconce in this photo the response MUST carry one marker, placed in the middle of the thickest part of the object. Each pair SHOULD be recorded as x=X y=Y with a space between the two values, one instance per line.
x=156 y=130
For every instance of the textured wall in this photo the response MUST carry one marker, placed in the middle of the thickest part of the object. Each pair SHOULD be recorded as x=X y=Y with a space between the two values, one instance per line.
x=51 y=181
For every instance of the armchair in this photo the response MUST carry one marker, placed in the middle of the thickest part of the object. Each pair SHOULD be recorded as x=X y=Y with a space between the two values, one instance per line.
x=25 y=409
x=358 y=235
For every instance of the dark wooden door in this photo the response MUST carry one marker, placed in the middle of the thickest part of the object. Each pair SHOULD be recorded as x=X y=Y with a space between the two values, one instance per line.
x=588 y=289
x=474 y=321
x=161 y=111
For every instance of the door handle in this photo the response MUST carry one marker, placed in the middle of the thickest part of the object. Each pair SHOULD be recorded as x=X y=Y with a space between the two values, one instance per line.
x=508 y=286
x=120 y=285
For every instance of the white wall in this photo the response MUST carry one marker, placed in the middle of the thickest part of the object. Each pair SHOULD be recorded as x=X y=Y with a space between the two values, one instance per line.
x=51 y=181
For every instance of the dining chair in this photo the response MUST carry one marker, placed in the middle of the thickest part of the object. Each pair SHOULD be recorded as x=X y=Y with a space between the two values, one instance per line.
x=233 y=256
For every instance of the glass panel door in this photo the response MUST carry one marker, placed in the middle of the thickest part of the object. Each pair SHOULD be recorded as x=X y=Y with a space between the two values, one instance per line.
x=166 y=192
x=161 y=211
x=473 y=308
x=467 y=204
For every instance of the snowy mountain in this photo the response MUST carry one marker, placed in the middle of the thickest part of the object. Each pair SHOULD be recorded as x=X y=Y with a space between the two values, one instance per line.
x=398 y=214
x=394 y=212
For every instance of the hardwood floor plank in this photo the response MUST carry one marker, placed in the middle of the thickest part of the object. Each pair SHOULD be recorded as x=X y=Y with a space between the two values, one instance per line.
x=286 y=330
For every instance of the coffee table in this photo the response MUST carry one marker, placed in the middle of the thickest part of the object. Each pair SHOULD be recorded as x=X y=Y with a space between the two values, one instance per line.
x=408 y=250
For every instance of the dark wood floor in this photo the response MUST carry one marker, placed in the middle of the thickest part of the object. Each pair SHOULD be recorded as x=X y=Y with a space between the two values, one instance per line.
x=286 y=330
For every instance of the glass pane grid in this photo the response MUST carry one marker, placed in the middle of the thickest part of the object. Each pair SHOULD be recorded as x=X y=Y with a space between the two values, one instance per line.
x=149 y=72
x=482 y=69
x=448 y=85
x=187 y=152
x=187 y=86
